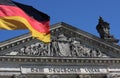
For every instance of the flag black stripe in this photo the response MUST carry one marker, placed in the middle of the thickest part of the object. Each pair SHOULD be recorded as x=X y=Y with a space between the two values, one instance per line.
x=7 y=2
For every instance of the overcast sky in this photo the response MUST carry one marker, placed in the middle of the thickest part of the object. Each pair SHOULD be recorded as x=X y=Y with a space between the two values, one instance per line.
x=82 y=14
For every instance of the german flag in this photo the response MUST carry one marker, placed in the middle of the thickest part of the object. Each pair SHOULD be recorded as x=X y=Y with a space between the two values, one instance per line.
x=15 y=16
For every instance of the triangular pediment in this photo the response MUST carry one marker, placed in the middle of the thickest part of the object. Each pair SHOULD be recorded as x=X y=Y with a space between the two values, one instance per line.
x=67 y=41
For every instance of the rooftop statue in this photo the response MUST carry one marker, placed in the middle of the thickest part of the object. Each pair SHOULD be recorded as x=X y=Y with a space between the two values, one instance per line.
x=103 y=29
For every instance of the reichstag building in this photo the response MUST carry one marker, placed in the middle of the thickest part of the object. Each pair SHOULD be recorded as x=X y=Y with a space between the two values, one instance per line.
x=72 y=53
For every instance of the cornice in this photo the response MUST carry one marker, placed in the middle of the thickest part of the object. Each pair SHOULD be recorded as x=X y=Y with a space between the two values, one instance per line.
x=15 y=42
x=62 y=60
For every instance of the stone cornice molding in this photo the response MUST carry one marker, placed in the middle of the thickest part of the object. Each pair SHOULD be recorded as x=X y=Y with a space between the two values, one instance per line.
x=62 y=60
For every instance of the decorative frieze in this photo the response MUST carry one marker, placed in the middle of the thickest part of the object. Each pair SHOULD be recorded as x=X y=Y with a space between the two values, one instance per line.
x=15 y=43
x=60 y=46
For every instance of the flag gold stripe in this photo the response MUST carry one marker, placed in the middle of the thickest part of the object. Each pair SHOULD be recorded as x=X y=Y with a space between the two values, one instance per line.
x=18 y=22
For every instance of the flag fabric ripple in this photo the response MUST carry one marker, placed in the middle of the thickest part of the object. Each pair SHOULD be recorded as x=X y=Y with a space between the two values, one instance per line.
x=15 y=16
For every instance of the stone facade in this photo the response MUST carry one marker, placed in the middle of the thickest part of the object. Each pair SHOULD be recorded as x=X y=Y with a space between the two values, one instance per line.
x=73 y=53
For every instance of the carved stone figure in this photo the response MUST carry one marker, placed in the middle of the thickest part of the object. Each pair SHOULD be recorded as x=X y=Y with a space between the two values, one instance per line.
x=61 y=46
x=53 y=48
x=33 y=49
x=28 y=50
x=77 y=48
x=64 y=46
x=103 y=29
x=86 y=51
x=44 y=50
x=39 y=48
x=22 y=51
x=95 y=53
x=81 y=50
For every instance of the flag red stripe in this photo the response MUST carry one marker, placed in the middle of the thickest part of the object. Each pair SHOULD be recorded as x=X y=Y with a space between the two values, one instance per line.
x=6 y=10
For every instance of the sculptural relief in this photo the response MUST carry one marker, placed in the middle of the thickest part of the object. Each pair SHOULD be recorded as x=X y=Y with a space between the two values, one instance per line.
x=64 y=46
x=81 y=50
x=77 y=49
x=61 y=46
x=53 y=48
